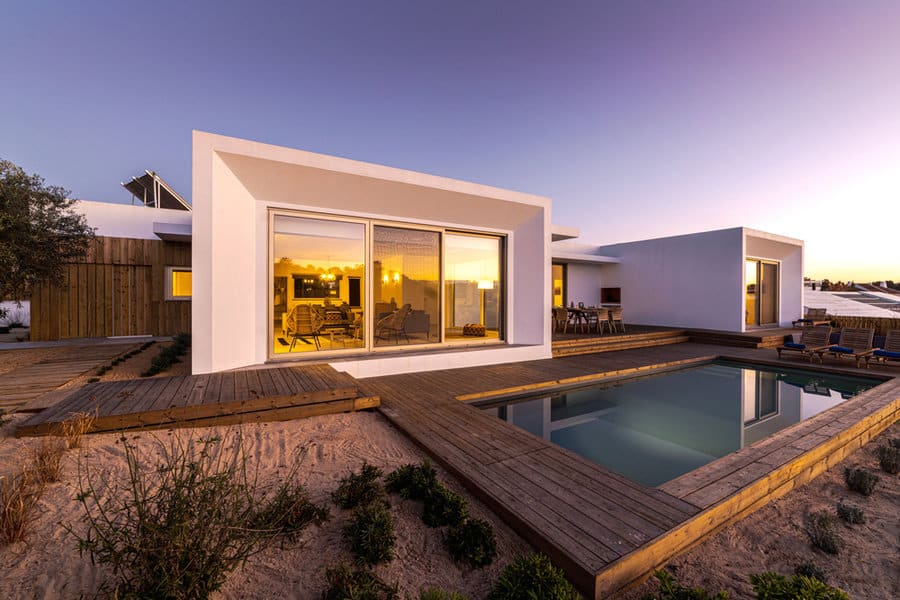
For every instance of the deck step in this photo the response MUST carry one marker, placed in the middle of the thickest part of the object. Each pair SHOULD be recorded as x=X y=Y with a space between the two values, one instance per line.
x=625 y=344
x=736 y=340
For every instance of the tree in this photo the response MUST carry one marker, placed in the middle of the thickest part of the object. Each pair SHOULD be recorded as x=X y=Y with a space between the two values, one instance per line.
x=40 y=232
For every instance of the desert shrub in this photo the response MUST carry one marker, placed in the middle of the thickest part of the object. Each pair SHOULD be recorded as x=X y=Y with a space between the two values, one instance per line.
x=74 y=428
x=851 y=513
x=46 y=459
x=472 y=542
x=809 y=569
x=19 y=494
x=93 y=379
x=861 y=480
x=771 y=586
x=669 y=589
x=177 y=527
x=359 y=488
x=288 y=511
x=889 y=459
x=412 y=482
x=532 y=576
x=371 y=533
x=344 y=583
x=443 y=507
x=439 y=594
x=821 y=532
x=894 y=442
x=4 y=418
x=169 y=355
x=102 y=370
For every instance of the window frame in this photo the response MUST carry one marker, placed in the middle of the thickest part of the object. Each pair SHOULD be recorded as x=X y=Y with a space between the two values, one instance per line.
x=170 y=270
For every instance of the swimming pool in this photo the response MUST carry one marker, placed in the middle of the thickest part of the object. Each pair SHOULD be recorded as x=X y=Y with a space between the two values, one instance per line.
x=655 y=428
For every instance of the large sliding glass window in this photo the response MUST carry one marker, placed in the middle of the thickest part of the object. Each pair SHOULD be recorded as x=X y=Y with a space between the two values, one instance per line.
x=472 y=286
x=407 y=283
x=344 y=284
x=318 y=288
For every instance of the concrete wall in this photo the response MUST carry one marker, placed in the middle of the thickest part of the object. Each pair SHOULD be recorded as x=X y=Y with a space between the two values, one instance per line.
x=685 y=281
x=583 y=283
x=237 y=182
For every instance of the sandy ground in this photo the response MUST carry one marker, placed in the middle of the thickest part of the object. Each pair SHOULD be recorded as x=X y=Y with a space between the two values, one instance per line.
x=773 y=538
x=47 y=565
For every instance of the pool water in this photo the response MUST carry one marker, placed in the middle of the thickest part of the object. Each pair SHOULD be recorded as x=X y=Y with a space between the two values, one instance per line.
x=655 y=428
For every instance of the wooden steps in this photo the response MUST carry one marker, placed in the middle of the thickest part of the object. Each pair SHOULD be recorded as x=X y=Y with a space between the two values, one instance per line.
x=761 y=339
x=201 y=400
x=609 y=343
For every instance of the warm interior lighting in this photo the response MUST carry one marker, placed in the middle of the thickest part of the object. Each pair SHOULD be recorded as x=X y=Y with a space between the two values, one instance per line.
x=385 y=278
x=327 y=277
x=181 y=284
x=396 y=277
x=485 y=284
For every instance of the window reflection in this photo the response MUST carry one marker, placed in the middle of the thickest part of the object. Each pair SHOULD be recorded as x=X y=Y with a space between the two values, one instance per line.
x=473 y=290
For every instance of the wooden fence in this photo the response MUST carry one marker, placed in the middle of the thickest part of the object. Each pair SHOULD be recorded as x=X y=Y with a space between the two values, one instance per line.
x=118 y=288
x=881 y=324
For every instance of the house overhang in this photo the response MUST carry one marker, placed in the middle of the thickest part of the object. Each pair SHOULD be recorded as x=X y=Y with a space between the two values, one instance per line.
x=172 y=232
x=586 y=259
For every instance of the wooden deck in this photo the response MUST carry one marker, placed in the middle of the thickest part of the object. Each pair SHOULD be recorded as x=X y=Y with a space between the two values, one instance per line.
x=200 y=400
x=606 y=531
x=19 y=386
x=637 y=336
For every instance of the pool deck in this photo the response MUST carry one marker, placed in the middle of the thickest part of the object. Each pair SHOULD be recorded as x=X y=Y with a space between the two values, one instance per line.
x=608 y=532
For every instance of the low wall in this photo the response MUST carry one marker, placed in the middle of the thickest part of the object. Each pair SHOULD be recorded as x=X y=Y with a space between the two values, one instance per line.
x=881 y=324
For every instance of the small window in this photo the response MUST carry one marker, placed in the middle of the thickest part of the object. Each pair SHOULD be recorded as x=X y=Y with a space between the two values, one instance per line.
x=178 y=283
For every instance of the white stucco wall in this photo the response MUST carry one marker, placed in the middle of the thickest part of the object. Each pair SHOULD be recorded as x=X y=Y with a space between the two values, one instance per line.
x=236 y=182
x=583 y=282
x=684 y=281
x=697 y=280
x=129 y=220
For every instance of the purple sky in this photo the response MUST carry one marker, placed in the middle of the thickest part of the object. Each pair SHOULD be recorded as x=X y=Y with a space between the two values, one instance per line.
x=639 y=119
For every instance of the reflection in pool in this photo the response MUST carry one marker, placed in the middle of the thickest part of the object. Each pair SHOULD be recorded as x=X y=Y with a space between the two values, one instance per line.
x=655 y=428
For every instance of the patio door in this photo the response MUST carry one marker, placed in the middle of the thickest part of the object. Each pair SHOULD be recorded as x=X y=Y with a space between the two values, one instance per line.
x=761 y=280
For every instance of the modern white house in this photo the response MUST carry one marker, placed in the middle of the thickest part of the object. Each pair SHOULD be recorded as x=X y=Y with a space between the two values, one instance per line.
x=733 y=279
x=376 y=270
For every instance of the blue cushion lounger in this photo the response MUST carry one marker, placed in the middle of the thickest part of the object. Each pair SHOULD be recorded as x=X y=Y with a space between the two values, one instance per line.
x=811 y=339
x=890 y=351
x=887 y=354
x=841 y=350
x=855 y=342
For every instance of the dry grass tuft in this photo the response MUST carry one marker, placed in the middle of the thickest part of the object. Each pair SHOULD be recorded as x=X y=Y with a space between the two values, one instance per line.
x=46 y=460
x=18 y=495
x=74 y=428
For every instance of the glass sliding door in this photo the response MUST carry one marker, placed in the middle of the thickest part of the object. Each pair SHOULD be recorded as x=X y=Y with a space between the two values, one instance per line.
x=761 y=280
x=473 y=286
x=318 y=274
x=559 y=284
x=406 y=285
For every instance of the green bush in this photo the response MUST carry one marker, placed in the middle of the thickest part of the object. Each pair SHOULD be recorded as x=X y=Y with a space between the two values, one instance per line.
x=412 y=482
x=443 y=507
x=894 y=442
x=472 y=542
x=359 y=488
x=288 y=511
x=771 y=586
x=851 y=513
x=532 y=576
x=169 y=355
x=861 y=480
x=345 y=583
x=809 y=569
x=669 y=589
x=821 y=532
x=176 y=528
x=371 y=533
x=889 y=458
x=439 y=594
x=93 y=379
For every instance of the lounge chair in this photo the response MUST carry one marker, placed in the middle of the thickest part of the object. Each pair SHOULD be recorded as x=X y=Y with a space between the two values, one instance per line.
x=814 y=317
x=890 y=351
x=302 y=322
x=394 y=324
x=811 y=340
x=855 y=342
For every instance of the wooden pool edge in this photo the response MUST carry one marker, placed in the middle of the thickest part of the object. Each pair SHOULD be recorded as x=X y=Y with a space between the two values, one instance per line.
x=633 y=568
